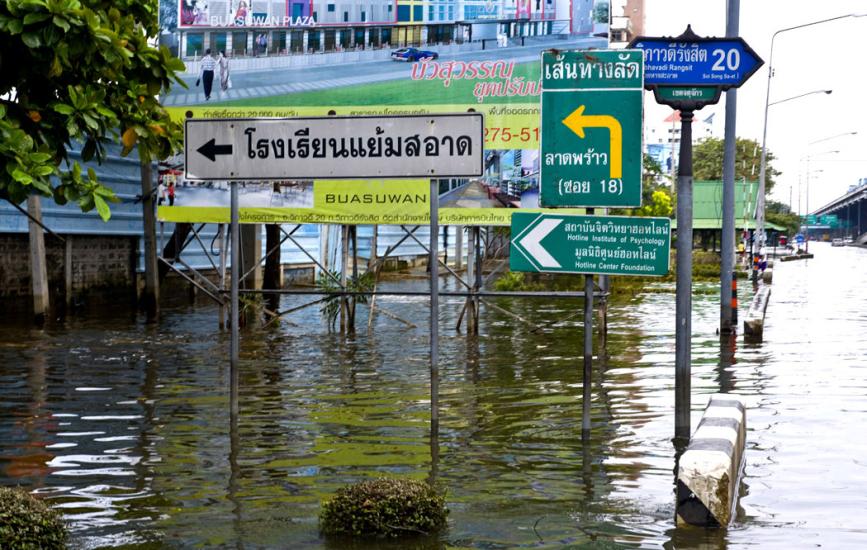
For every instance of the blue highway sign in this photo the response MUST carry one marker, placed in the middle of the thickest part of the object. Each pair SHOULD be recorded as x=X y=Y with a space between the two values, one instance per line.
x=691 y=60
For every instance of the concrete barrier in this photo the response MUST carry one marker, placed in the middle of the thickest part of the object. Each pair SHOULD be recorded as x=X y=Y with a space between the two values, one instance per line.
x=709 y=471
x=805 y=256
x=768 y=276
x=754 y=321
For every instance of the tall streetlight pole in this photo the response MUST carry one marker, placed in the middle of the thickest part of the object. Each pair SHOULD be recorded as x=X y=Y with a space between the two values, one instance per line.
x=760 y=204
x=807 y=198
x=808 y=157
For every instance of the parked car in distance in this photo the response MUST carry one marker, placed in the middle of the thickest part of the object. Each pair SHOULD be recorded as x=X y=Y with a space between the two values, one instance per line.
x=837 y=242
x=412 y=54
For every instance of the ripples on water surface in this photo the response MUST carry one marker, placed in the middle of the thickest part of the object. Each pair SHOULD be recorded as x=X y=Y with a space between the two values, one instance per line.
x=125 y=426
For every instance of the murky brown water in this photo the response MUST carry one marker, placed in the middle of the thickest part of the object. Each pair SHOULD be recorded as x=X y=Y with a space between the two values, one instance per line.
x=125 y=426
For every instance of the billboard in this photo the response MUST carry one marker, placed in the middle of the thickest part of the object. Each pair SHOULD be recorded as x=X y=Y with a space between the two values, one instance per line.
x=427 y=58
x=354 y=202
x=239 y=14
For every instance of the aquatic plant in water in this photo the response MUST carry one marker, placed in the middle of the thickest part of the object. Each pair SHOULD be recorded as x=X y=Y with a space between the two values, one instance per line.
x=385 y=507
x=28 y=523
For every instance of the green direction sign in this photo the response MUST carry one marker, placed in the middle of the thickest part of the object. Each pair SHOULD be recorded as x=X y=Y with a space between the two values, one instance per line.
x=591 y=128
x=810 y=219
x=829 y=219
x=607 y=245
x=703 y=94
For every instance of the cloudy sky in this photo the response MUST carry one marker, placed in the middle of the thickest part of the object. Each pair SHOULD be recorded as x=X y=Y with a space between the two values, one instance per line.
x=824 y=56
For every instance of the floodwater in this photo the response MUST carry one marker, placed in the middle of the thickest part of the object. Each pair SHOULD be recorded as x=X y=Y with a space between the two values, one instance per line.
x=125 y=428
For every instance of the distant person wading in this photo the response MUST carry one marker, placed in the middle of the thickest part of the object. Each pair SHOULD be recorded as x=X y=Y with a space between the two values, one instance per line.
x=207 y=73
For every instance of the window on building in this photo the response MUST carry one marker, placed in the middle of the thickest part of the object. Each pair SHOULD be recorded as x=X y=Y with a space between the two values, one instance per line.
x=195 y=44
x=330 y=8
x=363 y=16
x=451 y=13
x=313 y=43
x=418 y=13
x=430 y=13
x=403 y=13
x=239 y=43
x=345 y=16
x=218 y=41
x=389 y=8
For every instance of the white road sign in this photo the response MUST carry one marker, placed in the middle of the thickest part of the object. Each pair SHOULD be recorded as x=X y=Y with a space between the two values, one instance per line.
x=413 y=146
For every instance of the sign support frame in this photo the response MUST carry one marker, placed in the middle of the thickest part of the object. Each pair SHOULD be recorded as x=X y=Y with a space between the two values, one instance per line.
x=235 y=338
x=587 y=378
x=434 y=308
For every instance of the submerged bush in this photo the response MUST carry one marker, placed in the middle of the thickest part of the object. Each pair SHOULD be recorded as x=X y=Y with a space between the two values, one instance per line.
x=27 y=522
x=384 y=507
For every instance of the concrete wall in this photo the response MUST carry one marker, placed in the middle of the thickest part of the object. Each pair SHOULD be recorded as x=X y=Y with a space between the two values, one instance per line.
x=98 y=263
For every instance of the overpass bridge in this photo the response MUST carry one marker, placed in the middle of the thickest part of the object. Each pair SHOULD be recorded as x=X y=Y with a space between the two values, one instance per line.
x=851 y=211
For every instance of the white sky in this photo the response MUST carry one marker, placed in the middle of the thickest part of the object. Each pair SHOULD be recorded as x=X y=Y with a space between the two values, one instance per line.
x=825 y=56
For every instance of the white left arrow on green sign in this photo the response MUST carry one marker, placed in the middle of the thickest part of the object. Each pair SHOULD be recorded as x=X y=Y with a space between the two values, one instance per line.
x=532 y=242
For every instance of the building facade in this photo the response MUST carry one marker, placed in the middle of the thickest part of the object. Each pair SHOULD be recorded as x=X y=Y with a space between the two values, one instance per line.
x=292 y=27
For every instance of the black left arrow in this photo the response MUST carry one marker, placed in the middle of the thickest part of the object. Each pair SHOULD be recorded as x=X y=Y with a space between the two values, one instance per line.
x=211 y=149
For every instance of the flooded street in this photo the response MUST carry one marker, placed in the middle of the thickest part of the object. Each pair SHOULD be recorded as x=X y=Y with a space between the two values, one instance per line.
x=125 y=426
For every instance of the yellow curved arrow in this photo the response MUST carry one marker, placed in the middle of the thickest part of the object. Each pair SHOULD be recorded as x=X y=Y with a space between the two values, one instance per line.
x=577 y=121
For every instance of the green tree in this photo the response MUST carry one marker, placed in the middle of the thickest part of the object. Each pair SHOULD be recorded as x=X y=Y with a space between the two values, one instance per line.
x=707 y=161
x=660 y=205
x=651 y=171
x=779 y=213
x=83 y=72
x=656 y=198
x=600 y=12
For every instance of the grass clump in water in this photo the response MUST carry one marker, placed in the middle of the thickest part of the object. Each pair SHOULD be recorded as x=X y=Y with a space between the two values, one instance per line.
x=385 y=507
x=28 y=523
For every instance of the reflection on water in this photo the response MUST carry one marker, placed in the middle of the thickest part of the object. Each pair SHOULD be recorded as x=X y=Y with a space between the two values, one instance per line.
x=125 y=427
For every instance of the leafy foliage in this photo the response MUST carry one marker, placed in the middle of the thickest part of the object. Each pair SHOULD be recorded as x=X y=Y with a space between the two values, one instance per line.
x=651 y=173
x=79 y=71
x=780 y=214
x=384 y=507
x=27 y=523
x=511 y=281
x=600 y=12
x=707 y=161
x=331 y=306
x=656 y=198
x=660 y=205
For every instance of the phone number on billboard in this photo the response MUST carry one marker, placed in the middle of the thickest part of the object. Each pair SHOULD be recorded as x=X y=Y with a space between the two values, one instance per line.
x=507 y=135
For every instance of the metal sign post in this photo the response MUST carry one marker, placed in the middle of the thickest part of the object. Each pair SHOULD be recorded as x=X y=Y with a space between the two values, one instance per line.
x=592 y=107
x=428 y=146
x=235 y=339
x=683 y=290
x=434 y=308
x=687 y=72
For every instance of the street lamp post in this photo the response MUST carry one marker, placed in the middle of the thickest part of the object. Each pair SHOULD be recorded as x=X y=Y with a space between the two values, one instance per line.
x=807 y=192
x=760 y=203
x=808 y=157
x=795 y=97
